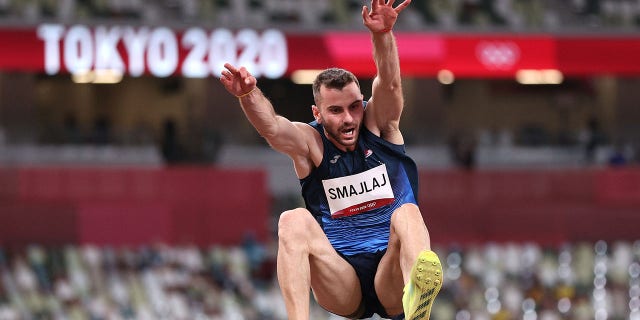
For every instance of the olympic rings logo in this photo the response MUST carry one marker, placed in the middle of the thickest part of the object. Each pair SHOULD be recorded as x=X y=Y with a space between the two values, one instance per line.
x=498 y=55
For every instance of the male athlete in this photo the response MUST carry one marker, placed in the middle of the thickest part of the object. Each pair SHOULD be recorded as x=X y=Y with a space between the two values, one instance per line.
x=361 y=243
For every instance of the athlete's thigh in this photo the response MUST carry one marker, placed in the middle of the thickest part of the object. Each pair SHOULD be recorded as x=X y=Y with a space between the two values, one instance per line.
x=334 y=281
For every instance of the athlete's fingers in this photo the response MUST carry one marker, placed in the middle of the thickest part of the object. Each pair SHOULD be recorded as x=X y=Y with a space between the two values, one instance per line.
x=226 y=82
x=402 y=6
x=230 y=67
x=365 y=14
x=227 y=77
x=243 y=74
x=375 y=4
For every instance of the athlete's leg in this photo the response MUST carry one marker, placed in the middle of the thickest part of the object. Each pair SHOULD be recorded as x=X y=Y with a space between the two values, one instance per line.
x=408 y=262
x=407 y=238
x=307 y=260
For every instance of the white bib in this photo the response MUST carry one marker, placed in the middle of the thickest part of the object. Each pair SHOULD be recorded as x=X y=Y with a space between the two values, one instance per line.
x=358 y=193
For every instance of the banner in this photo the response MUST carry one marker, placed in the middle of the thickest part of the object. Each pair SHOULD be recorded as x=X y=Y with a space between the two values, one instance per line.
x=197 y=52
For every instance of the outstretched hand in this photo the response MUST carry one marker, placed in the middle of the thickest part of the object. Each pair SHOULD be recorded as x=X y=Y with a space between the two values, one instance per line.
x=383 y=15
x=237 y=81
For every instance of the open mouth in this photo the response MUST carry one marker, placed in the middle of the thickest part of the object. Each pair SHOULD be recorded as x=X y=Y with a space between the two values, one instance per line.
x=349 y=133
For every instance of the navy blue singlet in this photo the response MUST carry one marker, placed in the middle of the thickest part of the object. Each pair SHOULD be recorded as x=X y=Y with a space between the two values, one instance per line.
x=353 y=194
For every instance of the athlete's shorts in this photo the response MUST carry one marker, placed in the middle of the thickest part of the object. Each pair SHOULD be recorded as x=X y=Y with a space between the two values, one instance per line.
x=366 y=265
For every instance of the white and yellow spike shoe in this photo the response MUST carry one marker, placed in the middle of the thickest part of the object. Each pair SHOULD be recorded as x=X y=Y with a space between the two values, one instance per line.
x=423 y=286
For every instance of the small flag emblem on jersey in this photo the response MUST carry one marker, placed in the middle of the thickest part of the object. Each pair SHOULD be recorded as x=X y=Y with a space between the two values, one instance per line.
x=368 y=153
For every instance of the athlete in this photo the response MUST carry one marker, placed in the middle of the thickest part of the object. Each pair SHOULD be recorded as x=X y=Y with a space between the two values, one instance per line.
x=361 y=244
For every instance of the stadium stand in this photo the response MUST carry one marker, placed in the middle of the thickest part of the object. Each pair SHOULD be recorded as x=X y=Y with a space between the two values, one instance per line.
x=515 y=15
x=484 y=281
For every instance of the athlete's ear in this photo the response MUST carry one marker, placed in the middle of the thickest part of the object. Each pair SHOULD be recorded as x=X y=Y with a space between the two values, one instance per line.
x=316 y=112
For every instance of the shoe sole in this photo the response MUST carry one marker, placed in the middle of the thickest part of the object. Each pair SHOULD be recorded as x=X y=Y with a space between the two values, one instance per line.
x=427 y=277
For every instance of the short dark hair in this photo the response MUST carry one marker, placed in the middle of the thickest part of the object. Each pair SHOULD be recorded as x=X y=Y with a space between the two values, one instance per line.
x=332 y=78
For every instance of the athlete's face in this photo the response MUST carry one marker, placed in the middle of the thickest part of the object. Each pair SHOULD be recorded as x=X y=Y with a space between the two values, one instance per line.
x=340 y=111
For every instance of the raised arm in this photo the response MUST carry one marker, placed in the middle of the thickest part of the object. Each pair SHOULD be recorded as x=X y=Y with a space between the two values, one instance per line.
x=386 y=103
x=290 y=138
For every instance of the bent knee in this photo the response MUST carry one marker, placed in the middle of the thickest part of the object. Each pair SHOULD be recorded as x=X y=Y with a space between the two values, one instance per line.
x=408 y=216
x=295 y=223
x=408 y=212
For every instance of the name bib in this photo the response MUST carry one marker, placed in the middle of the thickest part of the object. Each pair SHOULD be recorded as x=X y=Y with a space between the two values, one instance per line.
x=358 y=193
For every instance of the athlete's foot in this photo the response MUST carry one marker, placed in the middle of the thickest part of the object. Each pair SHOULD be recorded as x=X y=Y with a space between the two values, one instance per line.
x=423 y=286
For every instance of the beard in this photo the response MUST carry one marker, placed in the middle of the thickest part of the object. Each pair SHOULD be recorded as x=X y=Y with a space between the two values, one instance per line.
x=338 y=136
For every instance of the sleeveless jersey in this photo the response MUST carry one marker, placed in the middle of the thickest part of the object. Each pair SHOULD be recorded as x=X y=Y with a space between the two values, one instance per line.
x=353 y=194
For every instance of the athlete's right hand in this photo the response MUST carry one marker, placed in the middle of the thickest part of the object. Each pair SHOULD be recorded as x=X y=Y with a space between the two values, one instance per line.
x=237 y=81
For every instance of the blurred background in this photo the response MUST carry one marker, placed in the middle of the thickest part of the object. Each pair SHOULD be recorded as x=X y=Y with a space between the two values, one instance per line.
x=132 y=187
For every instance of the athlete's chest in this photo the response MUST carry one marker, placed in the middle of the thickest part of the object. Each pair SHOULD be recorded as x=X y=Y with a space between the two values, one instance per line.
x=360 y=160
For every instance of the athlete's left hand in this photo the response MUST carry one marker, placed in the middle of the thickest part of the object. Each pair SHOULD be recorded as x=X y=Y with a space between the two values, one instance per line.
x=383 y=15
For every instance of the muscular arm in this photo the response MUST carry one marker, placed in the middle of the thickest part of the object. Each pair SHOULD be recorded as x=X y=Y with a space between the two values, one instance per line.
x=386 y=100
x=291 y=138
x=386 y=103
